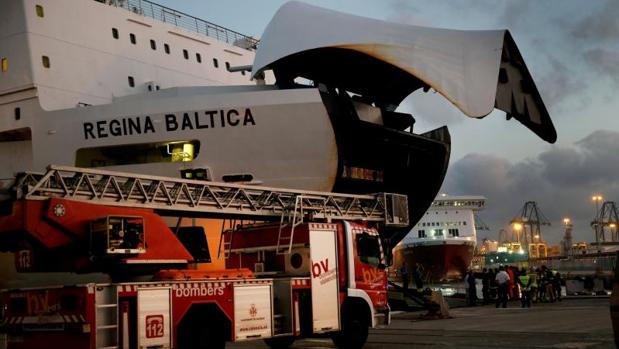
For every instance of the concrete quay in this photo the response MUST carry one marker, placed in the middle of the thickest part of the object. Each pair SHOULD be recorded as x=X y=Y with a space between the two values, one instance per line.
x=570 y=324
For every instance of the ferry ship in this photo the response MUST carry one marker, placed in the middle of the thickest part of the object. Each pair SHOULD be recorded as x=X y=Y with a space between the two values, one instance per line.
x=444 y=240
x=138 y=87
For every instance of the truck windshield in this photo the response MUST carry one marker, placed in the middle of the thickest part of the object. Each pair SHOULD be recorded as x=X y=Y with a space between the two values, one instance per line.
x=368 y=248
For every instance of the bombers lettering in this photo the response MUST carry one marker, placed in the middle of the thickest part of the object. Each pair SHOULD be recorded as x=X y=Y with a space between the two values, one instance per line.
x=139 y=125
x=199 y=291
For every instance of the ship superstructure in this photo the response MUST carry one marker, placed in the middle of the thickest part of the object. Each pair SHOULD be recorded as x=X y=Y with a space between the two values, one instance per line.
x=61 y=57
x=444 y=239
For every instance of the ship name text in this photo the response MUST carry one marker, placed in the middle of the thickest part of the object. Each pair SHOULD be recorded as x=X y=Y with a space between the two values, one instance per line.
x=138 y=125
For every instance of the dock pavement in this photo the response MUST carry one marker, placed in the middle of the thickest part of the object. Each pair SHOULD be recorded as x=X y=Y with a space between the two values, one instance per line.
x=570 y=324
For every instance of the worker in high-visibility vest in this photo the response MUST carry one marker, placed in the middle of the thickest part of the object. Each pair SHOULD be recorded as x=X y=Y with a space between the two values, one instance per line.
x=525 y=285
x=533 y=293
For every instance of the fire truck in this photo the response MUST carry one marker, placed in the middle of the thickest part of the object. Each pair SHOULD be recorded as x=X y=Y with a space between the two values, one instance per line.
x=297 y=263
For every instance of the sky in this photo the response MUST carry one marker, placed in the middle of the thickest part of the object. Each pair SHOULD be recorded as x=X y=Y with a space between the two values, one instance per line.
x=571 y=48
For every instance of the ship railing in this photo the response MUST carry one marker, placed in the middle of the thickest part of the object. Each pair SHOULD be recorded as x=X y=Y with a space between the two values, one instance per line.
x=182 y=20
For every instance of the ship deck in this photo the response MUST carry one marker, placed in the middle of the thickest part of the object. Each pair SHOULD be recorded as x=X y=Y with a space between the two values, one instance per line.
x=182 y=20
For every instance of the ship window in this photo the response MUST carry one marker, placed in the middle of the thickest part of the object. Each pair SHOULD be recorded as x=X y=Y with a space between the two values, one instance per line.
x=132 y=38
x=141 y=153
x=40 y=11
x=186 y=54
x=237 y=178
x=115 y=33
x=166 y=48
x=5 y=64
x=198 y=58
x=215 y=63
x=228 y=66
x=45 y=61
x=131 y=81
x=20 y=134
x=153 y=44
x=368 y=248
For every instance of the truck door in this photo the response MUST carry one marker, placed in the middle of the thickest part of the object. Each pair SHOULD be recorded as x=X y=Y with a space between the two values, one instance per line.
x=370 y=274
x=324 y=280
x=154 y=318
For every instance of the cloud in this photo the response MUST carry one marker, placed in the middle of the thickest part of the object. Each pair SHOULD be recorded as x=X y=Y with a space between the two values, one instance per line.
x=431 y=110
x=404 y=12
x=605 y=62
x=514 y=12
x=561 y=180
x=559 y=83
x=601 y=25
x=595 y=36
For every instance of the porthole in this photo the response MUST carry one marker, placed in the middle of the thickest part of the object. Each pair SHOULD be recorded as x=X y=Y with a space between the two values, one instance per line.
x=40 y=11
x=45 y=61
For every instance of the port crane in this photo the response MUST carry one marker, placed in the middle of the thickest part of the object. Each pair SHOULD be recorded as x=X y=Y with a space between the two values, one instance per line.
x=605 y=223
x=528 y=226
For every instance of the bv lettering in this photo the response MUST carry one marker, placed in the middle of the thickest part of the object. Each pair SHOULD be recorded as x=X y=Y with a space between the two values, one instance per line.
x=319 y=268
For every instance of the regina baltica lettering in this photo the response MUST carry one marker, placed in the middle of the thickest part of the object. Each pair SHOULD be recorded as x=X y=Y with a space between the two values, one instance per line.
x=194 y=120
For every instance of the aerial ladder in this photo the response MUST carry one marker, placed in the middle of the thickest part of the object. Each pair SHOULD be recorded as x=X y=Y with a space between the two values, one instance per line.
x=62 y=187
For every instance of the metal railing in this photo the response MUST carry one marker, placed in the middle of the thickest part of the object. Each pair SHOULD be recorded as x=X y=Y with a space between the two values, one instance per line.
x=182 y=20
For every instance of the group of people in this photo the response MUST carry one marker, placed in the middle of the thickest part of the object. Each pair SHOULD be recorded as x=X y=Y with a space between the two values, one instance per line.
x=508 y=282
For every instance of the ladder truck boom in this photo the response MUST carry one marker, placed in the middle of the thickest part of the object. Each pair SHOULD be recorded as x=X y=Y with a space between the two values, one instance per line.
x=73 y=197
x=168 y=195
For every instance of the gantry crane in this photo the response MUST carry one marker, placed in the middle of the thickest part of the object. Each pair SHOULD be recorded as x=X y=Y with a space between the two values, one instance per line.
x=605 y=223
x=527 y=225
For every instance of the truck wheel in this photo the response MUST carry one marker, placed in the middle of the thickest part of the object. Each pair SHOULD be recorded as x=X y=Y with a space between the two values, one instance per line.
x=353 y=335
x=280 y=342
